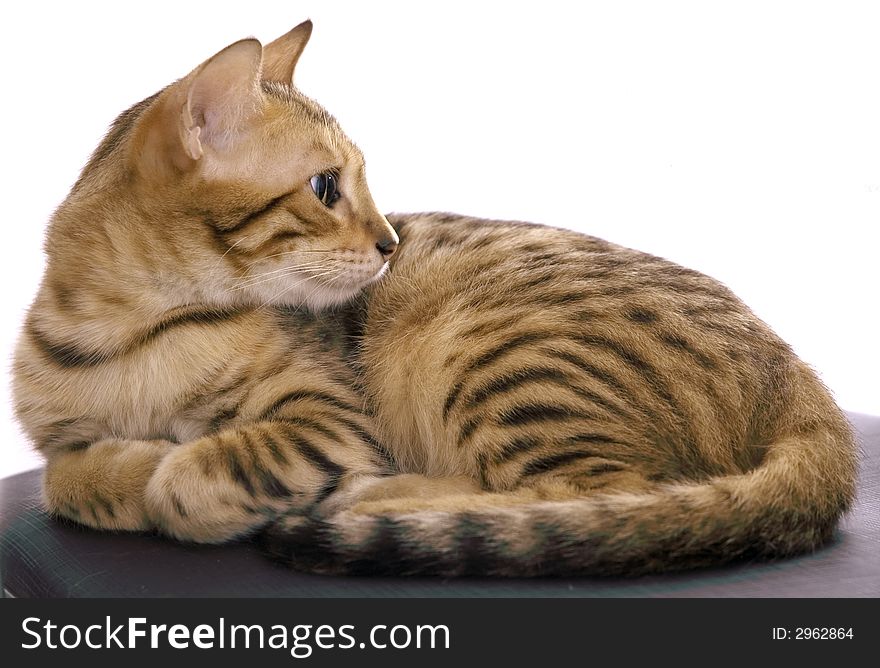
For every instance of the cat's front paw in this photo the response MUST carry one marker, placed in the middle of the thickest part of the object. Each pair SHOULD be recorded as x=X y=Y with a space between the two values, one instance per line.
x=96 y=509
x=102 y=486
x=192 y=502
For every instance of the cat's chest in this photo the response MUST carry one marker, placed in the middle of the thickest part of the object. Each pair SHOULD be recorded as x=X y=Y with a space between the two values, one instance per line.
x=143 y=391
x=143 y=396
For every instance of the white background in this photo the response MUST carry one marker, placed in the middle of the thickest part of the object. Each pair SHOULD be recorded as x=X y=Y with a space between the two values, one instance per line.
x=740 y=140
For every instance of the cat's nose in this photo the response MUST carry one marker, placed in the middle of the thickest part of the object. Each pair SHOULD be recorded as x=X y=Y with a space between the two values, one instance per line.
x=387 y=246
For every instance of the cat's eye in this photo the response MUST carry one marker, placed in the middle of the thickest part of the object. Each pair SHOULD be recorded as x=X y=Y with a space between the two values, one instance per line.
x=326 y=187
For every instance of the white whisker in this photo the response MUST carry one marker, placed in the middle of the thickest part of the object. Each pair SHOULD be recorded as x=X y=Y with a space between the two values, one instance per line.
x=331 y=272
x=233 y=246
x=216 y=269
x=306 y=298
x=260 y=278
x=290 y=252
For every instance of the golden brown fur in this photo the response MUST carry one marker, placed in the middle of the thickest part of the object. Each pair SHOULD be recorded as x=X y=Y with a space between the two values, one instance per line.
x=215 y=352
x=621 y=414
x=172 y=317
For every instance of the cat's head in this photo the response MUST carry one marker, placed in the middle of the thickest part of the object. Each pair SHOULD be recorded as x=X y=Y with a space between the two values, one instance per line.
x=261 y=192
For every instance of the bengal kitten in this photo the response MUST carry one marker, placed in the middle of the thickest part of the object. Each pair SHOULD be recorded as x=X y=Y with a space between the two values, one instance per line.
x=227 y=341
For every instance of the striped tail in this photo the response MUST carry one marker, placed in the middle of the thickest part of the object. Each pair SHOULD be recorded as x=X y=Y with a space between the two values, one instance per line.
x=788 y=505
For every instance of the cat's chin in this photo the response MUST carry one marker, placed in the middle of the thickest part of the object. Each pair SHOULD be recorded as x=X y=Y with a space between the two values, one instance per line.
x=379 y=274
x=331 y=297
x=337 y=294
x=324 y=296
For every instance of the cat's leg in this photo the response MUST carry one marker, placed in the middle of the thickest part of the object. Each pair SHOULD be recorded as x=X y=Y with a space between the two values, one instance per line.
x=102 y=484
x=234 y=481
x=558 y=471
x=588 y=477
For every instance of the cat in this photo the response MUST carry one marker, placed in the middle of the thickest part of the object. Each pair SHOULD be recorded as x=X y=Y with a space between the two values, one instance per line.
x=230 y=340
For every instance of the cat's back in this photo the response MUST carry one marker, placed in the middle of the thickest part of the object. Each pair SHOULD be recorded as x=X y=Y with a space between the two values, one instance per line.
x=472 y=310
x=484 y=272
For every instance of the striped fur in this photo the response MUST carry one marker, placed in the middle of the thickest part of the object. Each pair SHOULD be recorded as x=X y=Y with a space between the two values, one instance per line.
x=215 y=353
x=617 y=413
x=186 y=363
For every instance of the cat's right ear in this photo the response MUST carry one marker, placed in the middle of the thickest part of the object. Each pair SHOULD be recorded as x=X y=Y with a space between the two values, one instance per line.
x=281 y=56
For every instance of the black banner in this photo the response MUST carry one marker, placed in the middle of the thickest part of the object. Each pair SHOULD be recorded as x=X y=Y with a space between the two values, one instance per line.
x=428 y=632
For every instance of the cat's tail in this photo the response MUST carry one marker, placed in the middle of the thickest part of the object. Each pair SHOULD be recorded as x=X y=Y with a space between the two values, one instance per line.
x=788 y=505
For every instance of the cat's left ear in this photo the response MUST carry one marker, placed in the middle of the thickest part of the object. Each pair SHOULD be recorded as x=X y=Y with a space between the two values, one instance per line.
x=207 y=112
x=280 y=57
x=222 y=97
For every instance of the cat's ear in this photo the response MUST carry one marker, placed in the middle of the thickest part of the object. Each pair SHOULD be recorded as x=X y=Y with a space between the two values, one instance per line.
x=280 y=57
x=222 y=97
